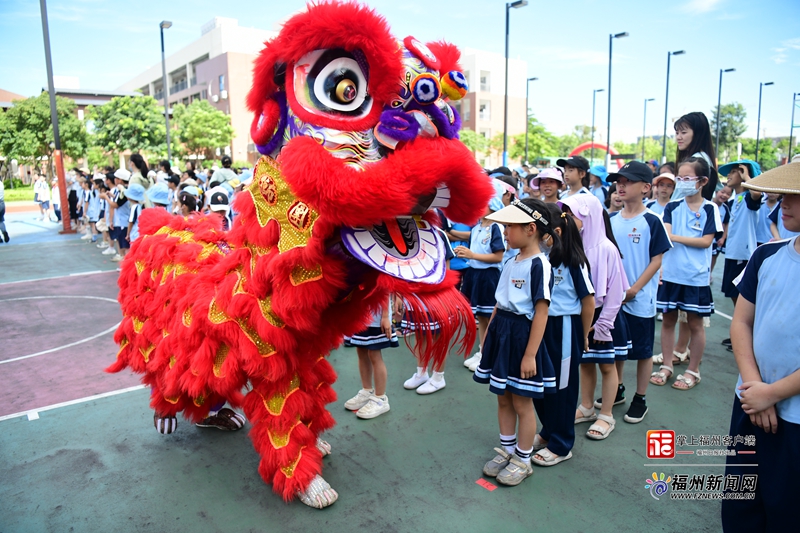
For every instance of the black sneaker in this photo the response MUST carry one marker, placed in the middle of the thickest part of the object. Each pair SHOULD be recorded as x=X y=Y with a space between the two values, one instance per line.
x=727 y=342
x=620 y=398
x=636 y=411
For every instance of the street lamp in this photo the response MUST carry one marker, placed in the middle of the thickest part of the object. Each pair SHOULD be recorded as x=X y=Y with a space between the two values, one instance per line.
x=719 y=103
x=758 y=126
x=594 y=96
x=516 y=5
x=165 y=24
x=527 y=115
x=611 y=38
x=644 y=127
x=791 y=130
x=666 y=107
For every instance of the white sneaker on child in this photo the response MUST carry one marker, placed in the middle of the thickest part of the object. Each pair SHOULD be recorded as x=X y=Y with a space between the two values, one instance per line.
x=86 y=236
x=416 y=380
x=102 y=245
x=109 y=251
x=376 y=406
x=432 y=385
x=475 y=362
x=474 y=359
x=359 y=400
x=117 y=258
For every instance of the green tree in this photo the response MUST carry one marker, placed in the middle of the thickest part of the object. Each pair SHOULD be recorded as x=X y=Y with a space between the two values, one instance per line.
x=26 y=130
x=541 y=142
x=768 y=155
x=731 y=128
x=476 y=142
x=134 y=123
x=202 y=128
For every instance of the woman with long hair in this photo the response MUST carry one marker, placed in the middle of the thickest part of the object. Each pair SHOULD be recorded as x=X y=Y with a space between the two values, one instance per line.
x=693 y=135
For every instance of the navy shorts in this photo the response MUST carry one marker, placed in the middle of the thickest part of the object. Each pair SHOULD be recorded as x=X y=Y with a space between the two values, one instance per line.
x=642 y=332
x=122 y=238
x=479 y=286
x=775 y=477
x=733 y=267
x=674 y=296
x=607 y=353
x=502 y=352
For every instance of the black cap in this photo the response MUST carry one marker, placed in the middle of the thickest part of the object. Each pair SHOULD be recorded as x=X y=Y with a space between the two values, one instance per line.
x=633 y=171
x=575 y=161
x=219 y=202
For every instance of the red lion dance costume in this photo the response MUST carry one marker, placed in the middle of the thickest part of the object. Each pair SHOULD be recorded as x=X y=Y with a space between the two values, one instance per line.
x=359 y=146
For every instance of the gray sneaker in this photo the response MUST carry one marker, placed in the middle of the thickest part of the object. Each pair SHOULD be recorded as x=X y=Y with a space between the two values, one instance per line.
x=496 y=465
x=359 y=400
x=514 y=473
x=376 y=406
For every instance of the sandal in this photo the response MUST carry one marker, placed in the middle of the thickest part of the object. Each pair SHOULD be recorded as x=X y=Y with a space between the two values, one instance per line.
x=548 y=458
x=604 y=432
x=225 y=419
x=682 y=357
x=588 y=414
x=323 y=447
x=661 y=374
x=538 y=443
x=690 y=383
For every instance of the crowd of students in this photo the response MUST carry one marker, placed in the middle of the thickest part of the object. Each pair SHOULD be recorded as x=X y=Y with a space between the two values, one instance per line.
x=567 y=271
x=106 y=206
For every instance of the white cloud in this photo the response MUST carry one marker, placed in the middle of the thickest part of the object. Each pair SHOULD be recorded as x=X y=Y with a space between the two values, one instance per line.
x=700 y=6
x=782 y=53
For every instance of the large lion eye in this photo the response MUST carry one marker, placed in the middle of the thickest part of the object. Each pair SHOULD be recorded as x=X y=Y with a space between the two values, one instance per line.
x=332 y=81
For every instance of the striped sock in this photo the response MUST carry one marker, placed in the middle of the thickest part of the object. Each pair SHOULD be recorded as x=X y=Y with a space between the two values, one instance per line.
x=524 y=455
x=508 y=442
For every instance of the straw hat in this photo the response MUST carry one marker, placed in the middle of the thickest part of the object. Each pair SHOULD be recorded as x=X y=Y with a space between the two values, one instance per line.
x=784 y=179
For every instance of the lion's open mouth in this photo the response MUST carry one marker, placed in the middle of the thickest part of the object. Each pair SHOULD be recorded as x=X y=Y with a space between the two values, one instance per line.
x=405 y=247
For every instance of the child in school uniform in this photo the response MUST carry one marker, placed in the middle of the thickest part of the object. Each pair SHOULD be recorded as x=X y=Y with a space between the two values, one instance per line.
x=609 y=339
x=664 y=185
x=691 y=223
x=642 y=241
x=766 y=337
x=741 y=240
x=769 y=206
x=777 y=228
x=597 y=182
x=514 y=363
x=565 y=337
x=372 y=401
x=479 y=281
x=576 y=175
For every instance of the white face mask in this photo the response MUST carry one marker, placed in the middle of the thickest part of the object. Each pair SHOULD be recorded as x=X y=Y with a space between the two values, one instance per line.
x=684 y=189
x=545 y=247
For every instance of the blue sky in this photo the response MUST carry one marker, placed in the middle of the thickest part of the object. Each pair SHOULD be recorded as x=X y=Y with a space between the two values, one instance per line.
x=106 y=42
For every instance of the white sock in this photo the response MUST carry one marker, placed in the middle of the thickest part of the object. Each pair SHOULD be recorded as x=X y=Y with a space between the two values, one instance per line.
x=508 y=442
x=421 y=371
x=438 y=376
x=524 y=455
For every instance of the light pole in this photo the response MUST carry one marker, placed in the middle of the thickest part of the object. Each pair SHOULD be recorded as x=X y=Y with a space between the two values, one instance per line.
x=758 y=126
x=515 y=5
x=666 y=107
x=719 y=103
x=791 y=130
x=611 y=38
x=594 y=97
x=644 y=126
x=527 y=116
x=165 y=90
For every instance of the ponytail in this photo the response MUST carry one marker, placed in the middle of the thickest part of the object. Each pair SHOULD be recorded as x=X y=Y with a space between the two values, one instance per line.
x=567 y=250
x=610 y=231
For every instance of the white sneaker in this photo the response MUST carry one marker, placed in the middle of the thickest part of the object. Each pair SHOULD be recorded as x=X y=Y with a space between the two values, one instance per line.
x=86 y=236
x=376 y=406
x=470 y=360
x=109 y=251
x=102 y=245
x=474 y=364
x=117 y=258
x=416 y=380
x=359 y=400
x=433 y=384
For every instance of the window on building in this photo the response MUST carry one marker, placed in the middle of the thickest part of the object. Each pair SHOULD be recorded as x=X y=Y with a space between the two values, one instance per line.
x=80 y=114
x=486 y=132
x=466 y=77
x=465 y=110
x=485 y=110
x=204 y=94
x=486 y=81
x=221 y=82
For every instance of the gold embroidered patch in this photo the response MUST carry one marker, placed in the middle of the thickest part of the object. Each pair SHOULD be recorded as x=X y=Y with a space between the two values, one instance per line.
x=265 y=304
x=172 y=399
x=137 y=324
x=219 y=359
x=187 y=317
x=215 y=314
x=122 y=344
x=139 y=267
x=288 y=470
x=296 y=218
x=302 y=275
x=172 y=361
x=146 y=352
x=275 y=402
x=200 y=400
x=279 y=440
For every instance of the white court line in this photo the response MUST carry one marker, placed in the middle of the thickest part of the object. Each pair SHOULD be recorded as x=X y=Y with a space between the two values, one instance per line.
x=51 y=350
x=720 y=313
x=33 y=414
x=91 y=272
